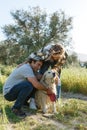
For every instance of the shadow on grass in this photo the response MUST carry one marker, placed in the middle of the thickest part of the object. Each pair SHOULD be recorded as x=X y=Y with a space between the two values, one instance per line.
x=11 y=116
x=15 y=119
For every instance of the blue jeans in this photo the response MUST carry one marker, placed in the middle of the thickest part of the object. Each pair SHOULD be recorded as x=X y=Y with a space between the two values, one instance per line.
x=58 y=91
x=20 y=92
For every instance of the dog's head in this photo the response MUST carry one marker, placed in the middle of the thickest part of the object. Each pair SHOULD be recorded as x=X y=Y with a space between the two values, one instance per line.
x=49 y=78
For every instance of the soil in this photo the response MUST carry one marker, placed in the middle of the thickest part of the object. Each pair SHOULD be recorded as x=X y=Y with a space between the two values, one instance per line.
x=47 y=118
x=46 y=121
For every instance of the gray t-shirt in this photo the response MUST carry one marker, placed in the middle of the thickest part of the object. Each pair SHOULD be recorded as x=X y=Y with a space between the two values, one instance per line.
x=18 y=75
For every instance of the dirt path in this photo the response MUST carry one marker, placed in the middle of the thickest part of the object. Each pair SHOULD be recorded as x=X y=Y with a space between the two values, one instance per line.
x=47 y=118
x=72 y=95
x=39 y=121
x=45 y=121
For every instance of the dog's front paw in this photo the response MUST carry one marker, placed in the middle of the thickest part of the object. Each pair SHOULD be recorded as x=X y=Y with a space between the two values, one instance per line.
x=54 y=111
x=44 y=110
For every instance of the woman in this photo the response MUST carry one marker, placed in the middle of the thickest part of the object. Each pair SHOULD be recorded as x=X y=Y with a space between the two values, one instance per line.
x=54 y=56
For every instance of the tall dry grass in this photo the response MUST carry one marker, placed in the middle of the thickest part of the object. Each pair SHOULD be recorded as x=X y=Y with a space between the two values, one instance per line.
x=74 y=80
x=71 y=114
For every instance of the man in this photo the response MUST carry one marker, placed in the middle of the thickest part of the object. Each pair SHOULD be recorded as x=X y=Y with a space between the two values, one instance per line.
x=22 y=83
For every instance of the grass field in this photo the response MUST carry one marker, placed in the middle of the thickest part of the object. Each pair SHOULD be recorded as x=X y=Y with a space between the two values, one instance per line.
x=74 y=80
x=71 y=108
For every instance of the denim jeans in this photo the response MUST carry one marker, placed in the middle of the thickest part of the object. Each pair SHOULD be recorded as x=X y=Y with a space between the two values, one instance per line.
x=59 y=88
x=58 y=91
x=20 y=92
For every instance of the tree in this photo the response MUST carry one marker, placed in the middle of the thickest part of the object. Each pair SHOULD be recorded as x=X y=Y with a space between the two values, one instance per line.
x=34 y=29
x=85 y=64
x=3 y=53
x=72 y=60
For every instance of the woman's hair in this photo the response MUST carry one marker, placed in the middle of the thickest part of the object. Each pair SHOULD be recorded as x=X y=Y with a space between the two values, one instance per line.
x=57 y=48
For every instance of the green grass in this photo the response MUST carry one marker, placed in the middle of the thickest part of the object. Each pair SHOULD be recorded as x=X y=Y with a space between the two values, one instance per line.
x=6 y=70
x=71 y=112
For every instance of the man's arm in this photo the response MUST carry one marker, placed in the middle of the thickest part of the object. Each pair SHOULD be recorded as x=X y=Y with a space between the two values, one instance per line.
x=38 y=85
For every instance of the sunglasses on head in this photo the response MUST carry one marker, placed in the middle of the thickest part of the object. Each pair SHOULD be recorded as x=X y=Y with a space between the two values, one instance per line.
x=55 y=53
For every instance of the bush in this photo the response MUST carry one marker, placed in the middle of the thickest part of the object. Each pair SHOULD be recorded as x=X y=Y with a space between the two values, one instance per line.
x=5 y=70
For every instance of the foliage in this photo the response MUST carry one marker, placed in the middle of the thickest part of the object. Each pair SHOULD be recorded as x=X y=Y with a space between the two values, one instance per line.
x=85 y=64
x=71 y=113
x=4 y=73
x=72 y=60
x=74 y=80
x=3 y=54
x=6 y=70
x=69 y=109
x=34 y=29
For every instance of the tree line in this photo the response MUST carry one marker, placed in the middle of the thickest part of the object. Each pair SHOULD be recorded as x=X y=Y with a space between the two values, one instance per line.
x=32 y=30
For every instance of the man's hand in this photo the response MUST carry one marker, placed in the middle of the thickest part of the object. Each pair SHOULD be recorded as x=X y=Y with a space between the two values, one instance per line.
x=49 y=91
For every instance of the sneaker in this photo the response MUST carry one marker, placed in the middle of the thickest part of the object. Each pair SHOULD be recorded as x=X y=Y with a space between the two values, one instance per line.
x=19 y=112
x=32 y=104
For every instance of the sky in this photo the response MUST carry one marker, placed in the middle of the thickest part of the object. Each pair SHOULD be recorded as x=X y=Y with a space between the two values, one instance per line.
x=77 y=9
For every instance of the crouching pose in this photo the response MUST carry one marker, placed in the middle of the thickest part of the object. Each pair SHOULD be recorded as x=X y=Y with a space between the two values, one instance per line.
x=22 y=83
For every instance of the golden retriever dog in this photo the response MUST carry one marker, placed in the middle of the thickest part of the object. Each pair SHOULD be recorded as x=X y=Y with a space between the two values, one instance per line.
x=44 y=101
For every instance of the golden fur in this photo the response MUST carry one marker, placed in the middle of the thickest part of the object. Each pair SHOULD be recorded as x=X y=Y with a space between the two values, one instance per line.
x=49 y=80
